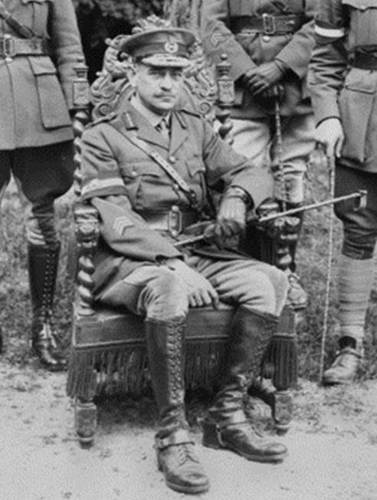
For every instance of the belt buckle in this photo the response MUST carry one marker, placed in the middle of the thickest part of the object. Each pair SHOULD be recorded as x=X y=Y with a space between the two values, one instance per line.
x=269 y=24
x=175 y=221
x=8 y=47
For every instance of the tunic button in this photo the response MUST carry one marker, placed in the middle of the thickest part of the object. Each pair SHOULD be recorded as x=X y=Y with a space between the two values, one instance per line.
x=172 y=159
x=134 y=174
x=266 y=38
x=176 y=187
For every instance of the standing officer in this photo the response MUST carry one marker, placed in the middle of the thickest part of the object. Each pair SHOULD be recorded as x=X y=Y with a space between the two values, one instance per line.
x=268 y=44
x=343 y=83
x=147 y=170
x=39 y=47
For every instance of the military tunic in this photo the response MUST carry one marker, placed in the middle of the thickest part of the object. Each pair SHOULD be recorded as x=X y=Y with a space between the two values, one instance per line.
x=231 y=27
x=222 y=31
x=341 y=90
x=36 y=90
x=343 y=84
x=37 y=62
x=131 y=191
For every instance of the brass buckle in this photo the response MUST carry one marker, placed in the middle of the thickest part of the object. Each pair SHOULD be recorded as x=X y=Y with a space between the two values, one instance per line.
x=269 y=24
x=175 y=221
x=8 y=47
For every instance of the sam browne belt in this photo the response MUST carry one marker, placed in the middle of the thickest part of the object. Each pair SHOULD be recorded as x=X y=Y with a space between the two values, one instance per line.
x=365 y=60
x=267 y=24
x=173 y=221
x=11 y=47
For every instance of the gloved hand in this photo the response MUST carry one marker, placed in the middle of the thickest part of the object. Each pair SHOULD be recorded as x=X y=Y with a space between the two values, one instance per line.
x=330 y=134
x=261 y=78
x=283 y=230
x=269 y=95
x=199 y=289
x=230 y=220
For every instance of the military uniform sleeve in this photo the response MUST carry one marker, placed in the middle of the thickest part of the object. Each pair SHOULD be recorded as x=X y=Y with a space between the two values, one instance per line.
x=217 y=38
x=122 y=228
x=227 y=168
x=329 y=59
x=296 y=54
x=66 y=44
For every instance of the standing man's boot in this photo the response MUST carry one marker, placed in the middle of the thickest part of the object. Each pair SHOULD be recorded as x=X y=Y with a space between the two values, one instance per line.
x=354 y=285
x=175 y=448
x=227 y=425
x=43 y=266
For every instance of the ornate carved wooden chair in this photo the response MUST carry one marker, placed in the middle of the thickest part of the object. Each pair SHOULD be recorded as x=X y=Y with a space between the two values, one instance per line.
x=108 y=349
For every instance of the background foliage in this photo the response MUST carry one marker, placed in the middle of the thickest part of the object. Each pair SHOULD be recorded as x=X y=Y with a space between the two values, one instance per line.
x=102 y=19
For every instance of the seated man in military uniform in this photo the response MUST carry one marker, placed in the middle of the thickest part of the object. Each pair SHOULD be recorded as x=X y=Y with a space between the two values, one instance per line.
x=147 y=170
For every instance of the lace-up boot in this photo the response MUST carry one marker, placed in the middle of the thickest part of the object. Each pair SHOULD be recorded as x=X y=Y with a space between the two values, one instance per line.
x=43 y=265
x=175 y=448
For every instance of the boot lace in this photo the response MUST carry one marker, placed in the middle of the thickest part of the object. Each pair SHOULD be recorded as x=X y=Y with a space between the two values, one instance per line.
x=186 y=453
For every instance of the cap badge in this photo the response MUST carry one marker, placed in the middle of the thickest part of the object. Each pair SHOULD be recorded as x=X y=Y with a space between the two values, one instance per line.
x=171 y=47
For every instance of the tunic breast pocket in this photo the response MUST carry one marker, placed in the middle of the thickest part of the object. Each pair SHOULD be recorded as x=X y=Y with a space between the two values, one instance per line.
x=197 y=182
x=356 y=103
x=53 y=107
x=363 y=22
x=144 y=183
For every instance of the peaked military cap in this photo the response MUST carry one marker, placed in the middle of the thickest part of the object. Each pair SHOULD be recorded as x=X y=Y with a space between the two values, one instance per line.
x=162 y=47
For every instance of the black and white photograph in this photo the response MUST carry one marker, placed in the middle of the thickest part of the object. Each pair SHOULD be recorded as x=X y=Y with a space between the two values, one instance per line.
x=188 y=262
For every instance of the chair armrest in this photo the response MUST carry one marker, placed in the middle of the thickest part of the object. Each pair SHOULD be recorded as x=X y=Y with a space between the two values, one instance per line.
x=87 y=234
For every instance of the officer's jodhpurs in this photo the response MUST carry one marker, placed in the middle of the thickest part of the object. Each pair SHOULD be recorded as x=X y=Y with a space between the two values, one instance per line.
x=43 y=173
x=157 y=291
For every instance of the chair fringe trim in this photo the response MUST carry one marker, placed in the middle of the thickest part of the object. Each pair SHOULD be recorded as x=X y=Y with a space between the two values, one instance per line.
x=280 y=361
x=114 y=370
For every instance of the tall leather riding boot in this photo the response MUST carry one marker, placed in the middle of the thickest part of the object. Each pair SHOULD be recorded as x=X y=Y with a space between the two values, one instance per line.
x=354 y=286
x=43 y=266
x=175 y=448
x=227 y=425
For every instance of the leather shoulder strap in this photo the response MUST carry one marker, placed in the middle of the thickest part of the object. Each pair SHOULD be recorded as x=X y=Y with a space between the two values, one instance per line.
x=21 y=30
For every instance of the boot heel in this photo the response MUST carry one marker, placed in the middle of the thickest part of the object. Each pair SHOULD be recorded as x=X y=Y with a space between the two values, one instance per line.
x=210 y=437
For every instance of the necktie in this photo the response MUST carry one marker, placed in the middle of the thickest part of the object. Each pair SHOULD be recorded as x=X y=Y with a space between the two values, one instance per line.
x=163 y=128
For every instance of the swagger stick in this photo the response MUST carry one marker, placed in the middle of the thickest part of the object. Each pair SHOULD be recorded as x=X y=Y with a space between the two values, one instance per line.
x=360 y=196
x=279 y=149
x=331 y=160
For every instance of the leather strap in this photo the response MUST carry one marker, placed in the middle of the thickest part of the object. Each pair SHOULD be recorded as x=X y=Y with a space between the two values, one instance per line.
x=178 y=437
x=12 y=47
x=21 y=30
x=235 y=418
x=267 y=24
x=164 y=164
x=365 y=60
x=174 y=221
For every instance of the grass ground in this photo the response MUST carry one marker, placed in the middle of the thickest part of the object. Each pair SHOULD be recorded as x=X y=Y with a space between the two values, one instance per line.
x=312 y=267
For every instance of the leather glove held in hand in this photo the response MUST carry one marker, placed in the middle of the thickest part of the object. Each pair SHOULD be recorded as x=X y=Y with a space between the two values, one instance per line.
x=261 y=78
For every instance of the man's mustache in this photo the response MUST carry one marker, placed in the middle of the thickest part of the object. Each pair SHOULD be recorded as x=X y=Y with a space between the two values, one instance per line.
x=165 y=95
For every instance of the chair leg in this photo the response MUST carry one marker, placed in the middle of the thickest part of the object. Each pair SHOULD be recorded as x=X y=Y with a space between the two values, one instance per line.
x=282 y=411
x=85 y=421
x=280 y=402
